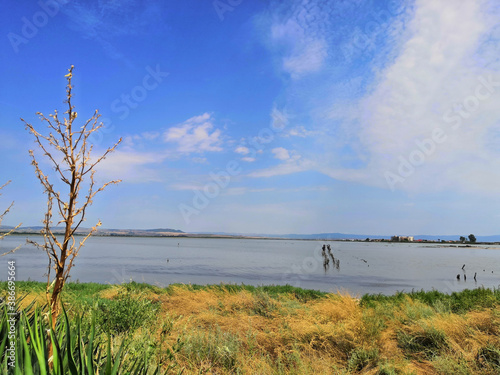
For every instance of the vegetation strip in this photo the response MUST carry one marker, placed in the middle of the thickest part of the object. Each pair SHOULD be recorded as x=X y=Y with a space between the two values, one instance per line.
x=237 y=329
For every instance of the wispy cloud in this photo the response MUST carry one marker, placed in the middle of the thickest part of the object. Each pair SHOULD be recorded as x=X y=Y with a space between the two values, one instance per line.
x=296 y=31
x=290 y=167
x=105 y=21
x=131 y=141
x=245 y=190
x=299 y=131
x=132 y=166
x=307 y=58
x=195 y=135
x=185 y=186
x=437 y=69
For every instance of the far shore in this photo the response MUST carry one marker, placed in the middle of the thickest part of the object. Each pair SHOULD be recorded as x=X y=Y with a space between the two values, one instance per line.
x=180 y=235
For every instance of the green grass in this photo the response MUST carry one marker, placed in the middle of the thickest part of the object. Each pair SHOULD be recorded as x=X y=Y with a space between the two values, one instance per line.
x=75 y=293
x=76 y=350
x=274 y=291
x=212 y=349
x=456 y=302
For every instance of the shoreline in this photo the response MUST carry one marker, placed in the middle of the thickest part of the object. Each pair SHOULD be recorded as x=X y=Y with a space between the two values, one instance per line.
x=456 y=244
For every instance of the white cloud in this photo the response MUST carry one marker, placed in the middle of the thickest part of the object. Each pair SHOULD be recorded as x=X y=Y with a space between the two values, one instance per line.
x=248 y=159
x=281 y=153
x=434 y=74
x=195 y=135
x=242 y=150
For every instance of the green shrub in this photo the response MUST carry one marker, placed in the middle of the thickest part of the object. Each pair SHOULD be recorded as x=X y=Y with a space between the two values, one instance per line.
x=125 y=313
x=428 y=341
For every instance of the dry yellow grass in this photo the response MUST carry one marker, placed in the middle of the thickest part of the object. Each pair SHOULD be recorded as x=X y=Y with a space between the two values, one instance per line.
x=253 y=332
x=332 y=335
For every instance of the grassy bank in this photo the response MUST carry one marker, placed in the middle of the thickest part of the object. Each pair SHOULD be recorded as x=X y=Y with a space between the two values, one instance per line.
x=236 y=329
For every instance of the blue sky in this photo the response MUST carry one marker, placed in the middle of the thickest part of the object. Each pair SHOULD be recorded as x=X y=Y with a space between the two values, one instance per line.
x=376 y=117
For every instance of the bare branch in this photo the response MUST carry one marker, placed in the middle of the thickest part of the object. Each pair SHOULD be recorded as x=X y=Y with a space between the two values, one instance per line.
x=3 y=235
x=108 y=151
x=9 y=232
x=11 y=251
x=74 y=171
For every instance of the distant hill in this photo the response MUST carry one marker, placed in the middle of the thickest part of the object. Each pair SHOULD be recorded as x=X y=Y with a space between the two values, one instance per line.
x=169 y=232
x=165 y=232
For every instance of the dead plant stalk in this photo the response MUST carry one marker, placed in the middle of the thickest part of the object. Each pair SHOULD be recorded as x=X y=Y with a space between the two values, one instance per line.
x=69 y=151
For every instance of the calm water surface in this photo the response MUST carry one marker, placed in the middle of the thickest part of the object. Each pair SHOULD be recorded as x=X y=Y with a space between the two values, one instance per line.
x=364 y=267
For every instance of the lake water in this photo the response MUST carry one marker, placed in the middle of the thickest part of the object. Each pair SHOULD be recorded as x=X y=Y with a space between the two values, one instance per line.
x=364 y=267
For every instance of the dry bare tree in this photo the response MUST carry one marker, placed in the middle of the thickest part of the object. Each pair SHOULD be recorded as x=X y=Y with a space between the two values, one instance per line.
x=2 y=215
x=69 y=151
